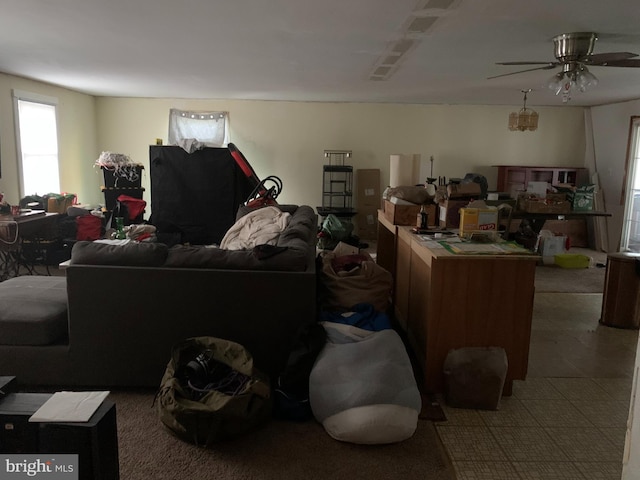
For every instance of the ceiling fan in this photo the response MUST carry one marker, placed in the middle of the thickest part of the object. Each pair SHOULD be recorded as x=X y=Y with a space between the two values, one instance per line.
x=574 y=52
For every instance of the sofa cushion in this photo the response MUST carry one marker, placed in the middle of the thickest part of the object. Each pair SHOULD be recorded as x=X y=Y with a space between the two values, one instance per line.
x=243 y=209
x=33 y=310
x=302 y=226
x=132 y=254
x=279 y=259
x=294 y=245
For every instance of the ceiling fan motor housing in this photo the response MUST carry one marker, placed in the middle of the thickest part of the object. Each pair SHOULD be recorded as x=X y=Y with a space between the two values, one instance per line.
x=574 y=47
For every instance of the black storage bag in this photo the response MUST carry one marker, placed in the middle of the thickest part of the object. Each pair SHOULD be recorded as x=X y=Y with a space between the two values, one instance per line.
x=205 y=417
x=291 y=394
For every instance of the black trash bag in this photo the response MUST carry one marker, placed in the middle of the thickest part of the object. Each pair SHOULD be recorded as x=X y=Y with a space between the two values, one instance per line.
x=291 y=394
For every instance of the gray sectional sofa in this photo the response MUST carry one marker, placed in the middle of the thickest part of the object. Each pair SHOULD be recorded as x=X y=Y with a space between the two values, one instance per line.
x=127 y=305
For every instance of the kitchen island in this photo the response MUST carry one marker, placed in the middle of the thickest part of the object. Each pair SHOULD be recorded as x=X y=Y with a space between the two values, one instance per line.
x=445 y=299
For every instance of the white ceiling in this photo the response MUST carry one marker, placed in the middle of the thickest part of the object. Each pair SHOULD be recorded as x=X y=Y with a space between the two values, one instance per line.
x=313 y=50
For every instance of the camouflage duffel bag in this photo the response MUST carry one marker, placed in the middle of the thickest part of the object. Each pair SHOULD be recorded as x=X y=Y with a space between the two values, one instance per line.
x=211 y=391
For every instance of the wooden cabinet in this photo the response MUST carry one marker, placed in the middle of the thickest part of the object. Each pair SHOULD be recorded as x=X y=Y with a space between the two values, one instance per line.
x=621 y=299
x=386 y=243
x=446 y=301
x=513 y=179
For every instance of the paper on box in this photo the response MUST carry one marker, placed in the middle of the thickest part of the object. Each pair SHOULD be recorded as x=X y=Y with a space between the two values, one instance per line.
x=538 y=188
x=343 y=248
x=69 y=407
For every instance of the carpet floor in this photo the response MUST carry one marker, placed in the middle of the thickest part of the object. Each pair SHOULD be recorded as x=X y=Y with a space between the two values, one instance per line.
x=278 y=450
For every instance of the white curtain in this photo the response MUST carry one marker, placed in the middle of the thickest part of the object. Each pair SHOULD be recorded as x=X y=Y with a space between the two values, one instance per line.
x=208 y=128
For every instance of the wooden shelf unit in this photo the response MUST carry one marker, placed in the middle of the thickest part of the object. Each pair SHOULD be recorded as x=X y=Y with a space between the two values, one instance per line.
x=513 y=179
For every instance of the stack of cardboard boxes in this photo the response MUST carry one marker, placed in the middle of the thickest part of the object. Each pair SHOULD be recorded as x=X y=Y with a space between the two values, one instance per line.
x=400 y=214
x=458 y=196
x=368 y=197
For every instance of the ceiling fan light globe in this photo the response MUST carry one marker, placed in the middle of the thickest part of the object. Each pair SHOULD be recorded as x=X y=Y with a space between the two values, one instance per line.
x=555 y=83
x=585 y=79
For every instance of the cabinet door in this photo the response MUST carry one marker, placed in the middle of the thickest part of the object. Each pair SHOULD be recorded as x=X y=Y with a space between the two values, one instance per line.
x=421 y=305
x=541 y=175
x=512 y=180
x=403 y=278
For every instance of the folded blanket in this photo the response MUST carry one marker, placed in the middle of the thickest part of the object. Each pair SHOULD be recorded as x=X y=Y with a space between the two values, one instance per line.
x=262 y=226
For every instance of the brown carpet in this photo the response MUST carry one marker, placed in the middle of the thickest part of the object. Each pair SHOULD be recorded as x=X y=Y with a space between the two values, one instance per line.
x=279 y=450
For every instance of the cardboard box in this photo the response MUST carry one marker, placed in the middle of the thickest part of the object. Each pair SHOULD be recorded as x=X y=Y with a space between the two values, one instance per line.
x=368 y=193
x=408 y=214
x=471 y=189
x=550 y=204
x=533 y=206
x=478 y=220
x=574 y=230
x=366 y=221
x=449 y=212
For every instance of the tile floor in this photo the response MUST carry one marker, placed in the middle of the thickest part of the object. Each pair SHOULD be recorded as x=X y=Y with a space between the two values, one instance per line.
x=568 y=419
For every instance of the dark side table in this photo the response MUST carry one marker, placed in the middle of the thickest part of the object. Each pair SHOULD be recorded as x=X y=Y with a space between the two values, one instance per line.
x=95 y=441
x=7 y=385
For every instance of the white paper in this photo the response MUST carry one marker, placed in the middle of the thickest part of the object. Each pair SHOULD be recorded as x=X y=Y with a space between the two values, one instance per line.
x=400 y=201
x=69 y=407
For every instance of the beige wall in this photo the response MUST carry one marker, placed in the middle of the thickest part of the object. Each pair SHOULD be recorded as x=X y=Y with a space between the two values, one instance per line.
x=76 y=139
x=287 y=139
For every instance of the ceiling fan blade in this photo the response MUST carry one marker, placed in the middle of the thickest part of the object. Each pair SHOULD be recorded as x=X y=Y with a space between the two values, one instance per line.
x=630 y=62
x=607 y=58
x=547 y=66
x=551 y=64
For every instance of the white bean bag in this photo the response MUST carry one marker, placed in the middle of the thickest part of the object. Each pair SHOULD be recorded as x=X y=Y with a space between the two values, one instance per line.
x=362 y=387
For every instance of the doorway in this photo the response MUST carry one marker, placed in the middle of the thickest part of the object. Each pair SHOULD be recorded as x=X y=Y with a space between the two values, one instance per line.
x=630 y=241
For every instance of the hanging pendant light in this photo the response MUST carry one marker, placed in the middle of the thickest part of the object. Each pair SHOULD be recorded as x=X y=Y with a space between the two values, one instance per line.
x=525 y=119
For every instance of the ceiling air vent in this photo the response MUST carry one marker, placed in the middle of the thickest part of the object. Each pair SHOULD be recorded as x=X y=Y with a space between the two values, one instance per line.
x=421 y=24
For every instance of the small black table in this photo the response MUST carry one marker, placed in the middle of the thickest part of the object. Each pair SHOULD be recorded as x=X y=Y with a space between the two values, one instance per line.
x=95 y=441
x=8 y=384
x=34 y=227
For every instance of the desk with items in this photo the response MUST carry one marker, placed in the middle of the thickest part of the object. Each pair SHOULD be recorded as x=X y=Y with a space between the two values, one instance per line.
x=22 y=238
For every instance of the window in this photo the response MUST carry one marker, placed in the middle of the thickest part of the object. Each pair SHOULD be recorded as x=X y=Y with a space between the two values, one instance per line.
x=210 y=128
x=37 y=143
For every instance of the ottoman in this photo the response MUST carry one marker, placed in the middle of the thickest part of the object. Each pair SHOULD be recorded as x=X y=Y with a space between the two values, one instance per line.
x=33 y=310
